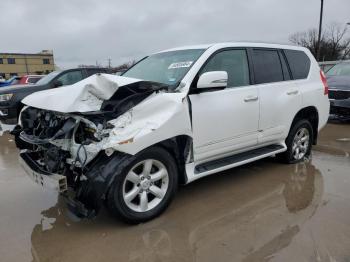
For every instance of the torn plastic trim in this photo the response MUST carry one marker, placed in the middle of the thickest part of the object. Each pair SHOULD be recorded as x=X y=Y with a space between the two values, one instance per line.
x=92 y=191
x=68 y=126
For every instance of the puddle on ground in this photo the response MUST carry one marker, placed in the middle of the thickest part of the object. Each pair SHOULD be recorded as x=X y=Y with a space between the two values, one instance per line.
x=263 y=211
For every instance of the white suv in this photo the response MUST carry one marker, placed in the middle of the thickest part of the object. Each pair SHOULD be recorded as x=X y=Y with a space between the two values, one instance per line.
x=174 y=117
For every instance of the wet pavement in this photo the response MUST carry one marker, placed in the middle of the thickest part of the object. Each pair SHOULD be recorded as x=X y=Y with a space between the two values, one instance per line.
x=264 y=211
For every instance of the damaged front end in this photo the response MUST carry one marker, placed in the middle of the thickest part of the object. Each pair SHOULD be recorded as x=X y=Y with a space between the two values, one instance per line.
x=71 y=152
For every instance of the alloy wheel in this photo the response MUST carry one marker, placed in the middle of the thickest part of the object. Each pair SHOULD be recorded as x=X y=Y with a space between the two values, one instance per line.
x=145 y=185
x=301 y=143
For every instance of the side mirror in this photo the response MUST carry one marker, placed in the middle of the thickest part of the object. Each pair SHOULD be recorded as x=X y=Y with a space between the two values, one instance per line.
x=57 y=83
x=214 y=79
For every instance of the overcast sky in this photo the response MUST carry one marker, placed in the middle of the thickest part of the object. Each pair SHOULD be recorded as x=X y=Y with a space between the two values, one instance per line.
x=86 y=31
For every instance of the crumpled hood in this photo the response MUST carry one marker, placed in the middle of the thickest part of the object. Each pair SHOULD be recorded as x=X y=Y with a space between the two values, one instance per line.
x=84 y=96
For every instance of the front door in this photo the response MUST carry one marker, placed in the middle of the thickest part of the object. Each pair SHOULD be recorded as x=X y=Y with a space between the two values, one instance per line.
x=225 y=121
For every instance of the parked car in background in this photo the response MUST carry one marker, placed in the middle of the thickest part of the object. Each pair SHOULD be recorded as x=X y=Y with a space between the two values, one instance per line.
x=12 y=81
x=338 y=78
x=11 y=97
x=326 y=65
x=30 y=79
x=174 y=117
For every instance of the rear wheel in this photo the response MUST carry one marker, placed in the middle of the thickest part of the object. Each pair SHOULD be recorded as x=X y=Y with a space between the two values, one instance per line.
x=145 y=187
x=299 y=142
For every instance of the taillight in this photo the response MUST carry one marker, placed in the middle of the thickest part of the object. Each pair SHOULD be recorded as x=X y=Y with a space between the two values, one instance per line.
x=324 y=81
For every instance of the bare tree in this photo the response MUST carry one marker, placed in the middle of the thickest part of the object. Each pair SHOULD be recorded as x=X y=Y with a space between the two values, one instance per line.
x=334 y=44
x=338 y=44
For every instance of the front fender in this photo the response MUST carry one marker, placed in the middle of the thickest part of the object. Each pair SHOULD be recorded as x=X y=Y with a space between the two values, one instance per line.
x=158 y=118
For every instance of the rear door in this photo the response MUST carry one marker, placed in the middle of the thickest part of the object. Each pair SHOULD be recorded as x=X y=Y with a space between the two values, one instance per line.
x=225 y=121
x=280 y=97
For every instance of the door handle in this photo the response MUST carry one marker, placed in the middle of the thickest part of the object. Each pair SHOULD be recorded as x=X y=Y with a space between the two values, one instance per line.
x=250 y=98
x=294 y=92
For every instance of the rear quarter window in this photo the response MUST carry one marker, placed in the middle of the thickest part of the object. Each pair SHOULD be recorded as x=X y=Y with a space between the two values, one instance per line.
x=299 y=63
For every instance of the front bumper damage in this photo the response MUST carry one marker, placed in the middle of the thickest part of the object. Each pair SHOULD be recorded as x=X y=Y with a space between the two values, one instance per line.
x=90 y=137
x=54 y=182
x=90 y=147
x=85 y=198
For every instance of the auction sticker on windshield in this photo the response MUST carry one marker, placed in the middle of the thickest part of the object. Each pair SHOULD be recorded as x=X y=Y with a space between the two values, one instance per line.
x=180 y=64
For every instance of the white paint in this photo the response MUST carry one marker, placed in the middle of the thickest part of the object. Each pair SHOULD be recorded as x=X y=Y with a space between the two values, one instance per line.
x=159 y=117
x=213 y=79
x=279 y=103
x=192 y=176
x=236 y=122
x=224 y=122
x=84 y=96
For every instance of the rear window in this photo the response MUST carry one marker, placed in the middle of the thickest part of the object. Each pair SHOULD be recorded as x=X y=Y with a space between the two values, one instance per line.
x=299 y=63
x=267 y=66
x=342 y=69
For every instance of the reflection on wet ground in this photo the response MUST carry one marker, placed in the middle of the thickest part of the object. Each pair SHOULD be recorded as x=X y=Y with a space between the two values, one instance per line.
x=264 y=211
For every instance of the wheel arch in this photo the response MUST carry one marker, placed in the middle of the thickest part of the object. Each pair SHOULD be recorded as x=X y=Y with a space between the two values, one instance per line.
x=180 y=147
x=311 y=114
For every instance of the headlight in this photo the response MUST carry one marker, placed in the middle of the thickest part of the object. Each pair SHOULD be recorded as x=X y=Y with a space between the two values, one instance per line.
x=6 y=97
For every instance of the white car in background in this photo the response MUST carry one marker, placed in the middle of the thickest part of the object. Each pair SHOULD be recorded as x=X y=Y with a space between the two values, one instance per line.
x=174 y=117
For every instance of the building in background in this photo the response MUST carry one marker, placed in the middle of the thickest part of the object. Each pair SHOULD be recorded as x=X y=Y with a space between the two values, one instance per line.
x=19 y=64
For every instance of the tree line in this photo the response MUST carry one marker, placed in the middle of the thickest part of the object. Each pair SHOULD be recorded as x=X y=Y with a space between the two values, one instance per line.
x=334 y=44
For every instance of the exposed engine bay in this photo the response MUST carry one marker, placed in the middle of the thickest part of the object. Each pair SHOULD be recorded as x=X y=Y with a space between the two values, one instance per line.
x=72 y=144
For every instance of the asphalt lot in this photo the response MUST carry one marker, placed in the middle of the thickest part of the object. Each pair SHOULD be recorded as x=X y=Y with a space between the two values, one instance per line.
x=264 y=211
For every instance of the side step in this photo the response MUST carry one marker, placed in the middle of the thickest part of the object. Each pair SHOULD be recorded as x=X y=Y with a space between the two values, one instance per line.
x=238 y=159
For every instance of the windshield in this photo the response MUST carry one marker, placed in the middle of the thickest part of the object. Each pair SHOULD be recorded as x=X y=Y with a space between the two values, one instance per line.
x=46 y=79
x=168 y=67
x=342 y=69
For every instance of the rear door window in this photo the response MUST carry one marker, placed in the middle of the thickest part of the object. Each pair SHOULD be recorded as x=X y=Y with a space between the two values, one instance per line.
x=267 y=66
x=299 y=63
x=234 y=62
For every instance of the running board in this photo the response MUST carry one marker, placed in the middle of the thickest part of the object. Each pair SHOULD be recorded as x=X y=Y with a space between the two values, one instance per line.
x=237 y=160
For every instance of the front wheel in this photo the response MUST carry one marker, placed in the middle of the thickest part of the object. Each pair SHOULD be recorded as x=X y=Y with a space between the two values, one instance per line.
x=145 y=188
x=299 y=142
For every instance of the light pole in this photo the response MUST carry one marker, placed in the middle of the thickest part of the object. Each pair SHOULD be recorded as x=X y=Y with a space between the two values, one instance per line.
x=319 y=33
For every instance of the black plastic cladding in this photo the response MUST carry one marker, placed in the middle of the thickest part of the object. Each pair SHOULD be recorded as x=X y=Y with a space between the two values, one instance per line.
x=91 y=193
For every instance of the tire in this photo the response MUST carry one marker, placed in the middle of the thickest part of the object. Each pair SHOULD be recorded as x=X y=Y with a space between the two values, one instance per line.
x=291 y=156
x=137 y=183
